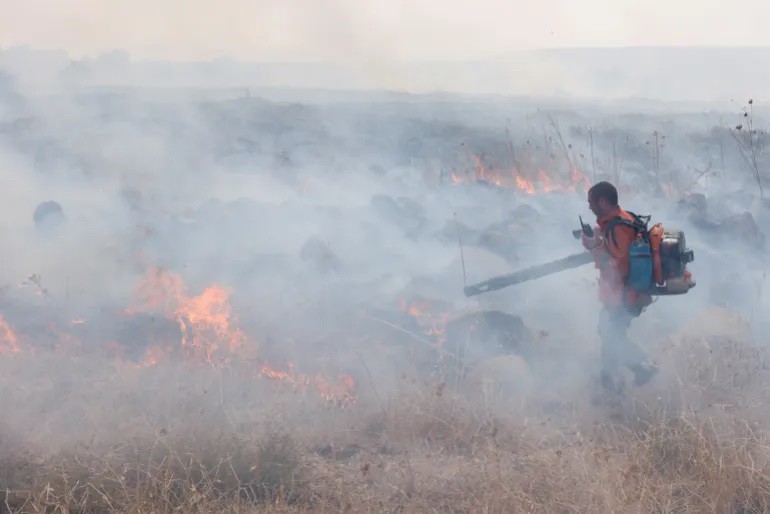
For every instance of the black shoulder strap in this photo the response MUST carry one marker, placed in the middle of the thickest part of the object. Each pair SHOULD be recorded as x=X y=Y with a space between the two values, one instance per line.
x=639 y=224
x=641 y=221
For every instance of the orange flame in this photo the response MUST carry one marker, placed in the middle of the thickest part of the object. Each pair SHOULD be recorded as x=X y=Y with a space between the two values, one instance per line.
x=433 y=324
x=525 y=185
x=7 y=338
x=209 y=334
x=152 y=357
x=205 y=320
x=160 y=290
x=512 y=178
x=339 y=393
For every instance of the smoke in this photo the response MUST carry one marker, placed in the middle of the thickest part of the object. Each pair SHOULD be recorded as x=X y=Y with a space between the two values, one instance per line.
x=324 y=218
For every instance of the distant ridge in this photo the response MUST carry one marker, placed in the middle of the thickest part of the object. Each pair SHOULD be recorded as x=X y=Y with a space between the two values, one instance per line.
x=670 y=73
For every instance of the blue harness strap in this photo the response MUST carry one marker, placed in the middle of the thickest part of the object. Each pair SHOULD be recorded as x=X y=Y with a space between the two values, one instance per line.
x=640 y=265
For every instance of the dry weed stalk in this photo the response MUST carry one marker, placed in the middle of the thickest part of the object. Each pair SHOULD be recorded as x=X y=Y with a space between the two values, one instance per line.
x=751 y=143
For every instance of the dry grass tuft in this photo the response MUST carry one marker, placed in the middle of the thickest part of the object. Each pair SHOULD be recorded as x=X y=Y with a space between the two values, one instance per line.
x=157 y=475
x=180 y=440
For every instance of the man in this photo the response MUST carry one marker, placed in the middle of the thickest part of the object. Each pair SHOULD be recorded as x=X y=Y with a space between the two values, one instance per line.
x=610 y=247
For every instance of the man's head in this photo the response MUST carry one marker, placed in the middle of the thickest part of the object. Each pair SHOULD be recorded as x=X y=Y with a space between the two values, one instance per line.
x=602 y=198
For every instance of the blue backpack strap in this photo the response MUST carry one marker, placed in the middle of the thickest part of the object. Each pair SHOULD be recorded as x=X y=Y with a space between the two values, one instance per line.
x=639 y=269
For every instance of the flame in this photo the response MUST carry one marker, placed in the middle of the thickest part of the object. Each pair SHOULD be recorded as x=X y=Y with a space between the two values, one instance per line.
x=525 y=185
x=416 y=309
x=578 y=178
x=205 y=321
x=529 y=183
x=152 y=357
x=209 y=334
x=339 y=393
x=64 y=340
x=7 y=338
x=160 y=290
x=433 y=324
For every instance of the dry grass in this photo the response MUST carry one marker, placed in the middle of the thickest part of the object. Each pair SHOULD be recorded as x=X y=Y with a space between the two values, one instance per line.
x=94 y=438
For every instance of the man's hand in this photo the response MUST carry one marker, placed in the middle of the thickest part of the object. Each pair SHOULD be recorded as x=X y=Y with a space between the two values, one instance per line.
x=590 y=243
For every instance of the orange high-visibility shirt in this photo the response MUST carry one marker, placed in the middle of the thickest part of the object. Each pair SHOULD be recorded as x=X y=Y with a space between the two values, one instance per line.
x=611 y=259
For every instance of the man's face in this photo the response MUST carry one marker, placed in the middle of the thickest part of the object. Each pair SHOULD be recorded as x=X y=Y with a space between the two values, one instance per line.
x=598 y=207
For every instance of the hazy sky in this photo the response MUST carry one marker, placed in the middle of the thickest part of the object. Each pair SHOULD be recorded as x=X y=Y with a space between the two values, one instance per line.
x=372 y=29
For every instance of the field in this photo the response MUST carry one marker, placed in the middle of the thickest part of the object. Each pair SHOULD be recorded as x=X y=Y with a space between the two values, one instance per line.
x=250 y=304
x=170 y=438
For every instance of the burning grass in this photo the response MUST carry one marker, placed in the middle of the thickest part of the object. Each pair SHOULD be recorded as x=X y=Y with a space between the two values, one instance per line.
x=91 y=436
x=529 y=182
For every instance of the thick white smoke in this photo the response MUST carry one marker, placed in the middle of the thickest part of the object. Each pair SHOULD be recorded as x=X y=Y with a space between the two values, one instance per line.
x=322 y=217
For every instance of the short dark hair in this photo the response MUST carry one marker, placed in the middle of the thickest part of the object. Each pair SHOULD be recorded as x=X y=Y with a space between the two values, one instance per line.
x=604 y=190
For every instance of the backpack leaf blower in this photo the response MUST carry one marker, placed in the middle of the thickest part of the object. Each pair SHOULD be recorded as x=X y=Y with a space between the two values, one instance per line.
x=657 y=261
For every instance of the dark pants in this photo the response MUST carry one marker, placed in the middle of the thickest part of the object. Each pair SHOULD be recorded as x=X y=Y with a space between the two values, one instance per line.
x=618 y=350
